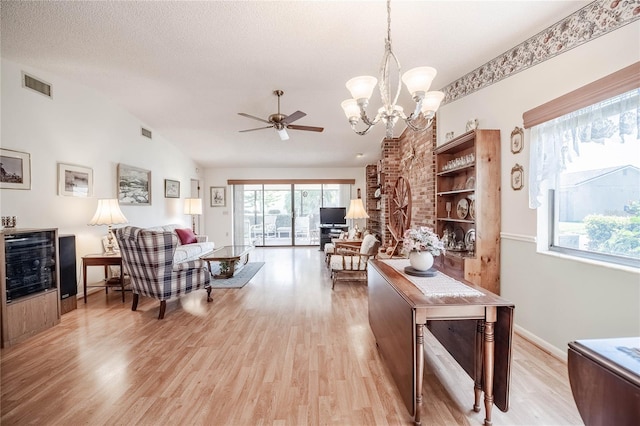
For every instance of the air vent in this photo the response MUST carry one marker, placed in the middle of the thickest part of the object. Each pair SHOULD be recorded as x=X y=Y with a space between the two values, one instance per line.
x=146 y=133
x=33 y=83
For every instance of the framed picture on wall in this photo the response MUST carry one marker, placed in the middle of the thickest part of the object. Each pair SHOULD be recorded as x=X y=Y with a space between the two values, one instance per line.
x=517 y=177
x=218 y=196
x=75 y=181
x=134 y=185
x=517 y=140
x=15 y=169
x=171 y=188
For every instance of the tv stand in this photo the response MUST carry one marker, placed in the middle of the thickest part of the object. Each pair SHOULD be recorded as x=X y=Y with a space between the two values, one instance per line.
x=329 y=231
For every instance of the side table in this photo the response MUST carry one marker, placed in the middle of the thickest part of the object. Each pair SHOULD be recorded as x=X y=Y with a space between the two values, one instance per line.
x=105 y=261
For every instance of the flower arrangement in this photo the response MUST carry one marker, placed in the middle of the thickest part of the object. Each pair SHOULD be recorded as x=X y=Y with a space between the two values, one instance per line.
x=422 y=239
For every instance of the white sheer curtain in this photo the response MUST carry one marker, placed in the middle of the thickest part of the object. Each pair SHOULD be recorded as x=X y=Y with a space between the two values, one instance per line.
x=556 y=142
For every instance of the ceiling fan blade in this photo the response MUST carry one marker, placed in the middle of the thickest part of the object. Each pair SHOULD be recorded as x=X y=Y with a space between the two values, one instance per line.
x=309 y=128
x=252 y=116
x=293 y=117
x=257 y=128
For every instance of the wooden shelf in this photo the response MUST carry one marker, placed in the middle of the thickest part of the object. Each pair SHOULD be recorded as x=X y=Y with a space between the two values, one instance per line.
x=451 y=219
x=456 y=170
x=457 y=191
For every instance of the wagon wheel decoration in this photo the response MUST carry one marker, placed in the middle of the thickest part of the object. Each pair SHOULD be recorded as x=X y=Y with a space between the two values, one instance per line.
x=400 y=208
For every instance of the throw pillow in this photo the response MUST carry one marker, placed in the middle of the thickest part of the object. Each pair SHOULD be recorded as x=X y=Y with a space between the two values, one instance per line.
x=186 y=236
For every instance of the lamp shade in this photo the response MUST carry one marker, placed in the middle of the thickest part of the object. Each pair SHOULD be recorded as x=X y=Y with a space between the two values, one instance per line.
x=351 y=108
x=356 y=210
x=431 y=102
x=362 y=86
x=108 y=213
x=193 y=206
x=419 y=79
x=283 y=134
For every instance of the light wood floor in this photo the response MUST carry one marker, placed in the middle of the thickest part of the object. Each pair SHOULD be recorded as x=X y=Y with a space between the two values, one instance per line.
x=283 y=350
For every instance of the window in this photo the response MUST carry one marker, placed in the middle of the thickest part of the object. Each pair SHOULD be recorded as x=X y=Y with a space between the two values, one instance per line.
x=283 y=212
x=589 y=161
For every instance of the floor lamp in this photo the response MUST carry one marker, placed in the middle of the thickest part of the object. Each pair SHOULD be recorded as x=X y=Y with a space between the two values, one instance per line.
x=193 y=206
x=108 y=213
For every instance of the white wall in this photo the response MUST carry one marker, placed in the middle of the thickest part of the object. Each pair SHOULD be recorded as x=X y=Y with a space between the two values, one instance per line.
x=218 y=220
x=557 y=299
x=79 y=126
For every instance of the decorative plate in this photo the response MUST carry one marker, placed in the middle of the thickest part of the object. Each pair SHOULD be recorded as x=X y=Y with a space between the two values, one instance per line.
x=463 y=208
x=470 y=237
x=472 y=209
x=471 y=183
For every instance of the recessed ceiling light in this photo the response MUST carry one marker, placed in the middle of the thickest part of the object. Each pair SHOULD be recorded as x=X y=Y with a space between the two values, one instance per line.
x=359 y=155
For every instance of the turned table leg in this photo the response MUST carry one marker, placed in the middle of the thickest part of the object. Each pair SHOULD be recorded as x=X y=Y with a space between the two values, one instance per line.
x=419 y=372
x=489 y=347
x=479 y=359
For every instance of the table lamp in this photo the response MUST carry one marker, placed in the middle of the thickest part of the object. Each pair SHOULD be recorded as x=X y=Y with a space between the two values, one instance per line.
x=108 y=213
x=193 y=206
x=356 y=211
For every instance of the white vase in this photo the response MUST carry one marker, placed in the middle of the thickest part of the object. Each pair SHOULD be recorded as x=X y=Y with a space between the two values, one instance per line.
x=420 y=260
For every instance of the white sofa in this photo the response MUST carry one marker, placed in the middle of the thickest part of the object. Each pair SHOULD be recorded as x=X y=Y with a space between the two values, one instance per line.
x=186 y=252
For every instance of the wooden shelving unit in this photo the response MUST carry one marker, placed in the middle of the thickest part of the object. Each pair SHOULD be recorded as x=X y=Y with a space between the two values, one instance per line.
x=468 y=207
x=374 y=203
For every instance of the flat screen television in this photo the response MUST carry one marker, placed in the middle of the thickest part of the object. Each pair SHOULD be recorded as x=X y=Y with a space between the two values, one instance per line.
x=333 y=215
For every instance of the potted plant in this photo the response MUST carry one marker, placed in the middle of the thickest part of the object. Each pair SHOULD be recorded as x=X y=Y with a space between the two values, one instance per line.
x=422 y=244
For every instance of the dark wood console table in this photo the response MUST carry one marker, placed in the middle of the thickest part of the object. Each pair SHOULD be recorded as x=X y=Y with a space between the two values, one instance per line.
x=477 y=331
x=605 y=380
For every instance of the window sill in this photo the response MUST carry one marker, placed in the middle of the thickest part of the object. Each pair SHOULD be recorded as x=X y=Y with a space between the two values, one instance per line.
x=608 y=265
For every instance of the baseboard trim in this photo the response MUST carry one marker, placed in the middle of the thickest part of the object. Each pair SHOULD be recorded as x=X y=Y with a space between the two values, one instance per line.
x=542 y=344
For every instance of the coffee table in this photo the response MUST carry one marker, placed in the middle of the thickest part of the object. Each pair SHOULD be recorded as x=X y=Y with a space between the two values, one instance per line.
x=231 y=258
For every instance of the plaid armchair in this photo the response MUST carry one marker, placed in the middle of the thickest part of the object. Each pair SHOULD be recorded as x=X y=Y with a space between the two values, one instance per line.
x=147 y=256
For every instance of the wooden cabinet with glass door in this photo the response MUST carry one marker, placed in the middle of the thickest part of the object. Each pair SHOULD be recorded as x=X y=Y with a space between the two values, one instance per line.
x=468 y=207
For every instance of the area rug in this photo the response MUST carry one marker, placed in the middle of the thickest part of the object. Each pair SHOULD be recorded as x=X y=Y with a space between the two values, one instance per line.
x=240 y=278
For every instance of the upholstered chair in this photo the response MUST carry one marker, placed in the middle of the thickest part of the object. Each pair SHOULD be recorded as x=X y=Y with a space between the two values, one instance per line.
x=147 y=257
x=347 y=241
x=351 y=265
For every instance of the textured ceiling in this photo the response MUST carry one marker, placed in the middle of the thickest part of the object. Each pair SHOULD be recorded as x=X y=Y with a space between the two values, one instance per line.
x=185 y=69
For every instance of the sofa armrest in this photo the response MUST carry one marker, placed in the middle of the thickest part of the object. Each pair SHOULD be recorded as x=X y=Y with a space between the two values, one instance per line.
x=202 y=238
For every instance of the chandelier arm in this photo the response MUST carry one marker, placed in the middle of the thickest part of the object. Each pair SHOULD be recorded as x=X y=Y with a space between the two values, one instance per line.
x=361 y=132
x=415 y=128
x=366 y=120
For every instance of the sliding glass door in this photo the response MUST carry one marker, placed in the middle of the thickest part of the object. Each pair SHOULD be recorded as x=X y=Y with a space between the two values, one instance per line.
x=283 y=214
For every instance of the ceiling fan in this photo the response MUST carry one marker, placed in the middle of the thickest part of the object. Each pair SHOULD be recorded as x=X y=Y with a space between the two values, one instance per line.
x=281 y=122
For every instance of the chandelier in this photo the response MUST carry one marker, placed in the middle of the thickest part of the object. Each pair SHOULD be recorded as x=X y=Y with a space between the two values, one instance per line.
x=418 y=80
